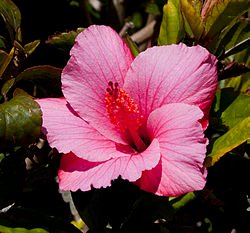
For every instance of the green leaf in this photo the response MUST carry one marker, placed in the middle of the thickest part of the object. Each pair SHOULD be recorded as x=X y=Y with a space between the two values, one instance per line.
x=145 y=211
x=230 y=140
x=237 y=111
x=64 y=41
x=187 y=27
x=132 y=45
x=20 y=121
x=240 y=83
x=236 y=31
x=6 y=61
x=172 y=29
x=224 y=97
x=216 y=15
x=137 y=19
x=12 y=17
x=193 y=18
x=197 y=5
x=92 y=208
x=1 y=157
x=238 y=47
x=3 y=58
x=34 y=219
x=44 y=79
x=7 y=86
x=21 y=230
x=19 y=91
x=2 y=42
x=233 y=69
x=179 y=202
x=235 y=35
x=31 y=47
x=153 y=9
x=243 y=57
x=11 y=64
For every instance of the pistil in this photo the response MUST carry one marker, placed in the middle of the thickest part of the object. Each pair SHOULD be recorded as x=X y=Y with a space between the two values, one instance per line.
x=137 y=140
x=124 y=113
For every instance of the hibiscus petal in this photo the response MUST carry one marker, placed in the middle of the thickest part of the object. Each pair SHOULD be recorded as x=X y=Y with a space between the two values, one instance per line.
x=76 y=173
x=183 y=149
x=172 y=74
x=68 y=132
x=98 y=56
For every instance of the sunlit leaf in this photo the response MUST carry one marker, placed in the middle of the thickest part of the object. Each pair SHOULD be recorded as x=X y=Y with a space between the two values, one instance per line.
x=238 y=47
x=179 y=202
x=31 y=47
x=21 y=230
x=20 y=121
x=64 y=41
x=197 y=5
x=233 y=35
x=12 y=18
x=240 y=83
x=230 y=140
x=193 y=18
x=243 y=57
x=132 y=45
x=219 y=43
x=12 y=61
x=237 y=111
x=217 y=14
x=172 y=28
x=209 y=223
x=78 y=224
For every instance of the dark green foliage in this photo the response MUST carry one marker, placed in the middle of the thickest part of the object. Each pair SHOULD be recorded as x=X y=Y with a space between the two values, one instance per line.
x=35 y=40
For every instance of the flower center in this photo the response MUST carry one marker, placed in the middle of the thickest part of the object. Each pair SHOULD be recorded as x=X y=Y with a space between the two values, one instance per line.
x=124 y=113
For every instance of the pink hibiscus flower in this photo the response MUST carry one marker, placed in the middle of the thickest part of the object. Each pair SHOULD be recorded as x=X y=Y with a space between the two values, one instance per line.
x=141 y=119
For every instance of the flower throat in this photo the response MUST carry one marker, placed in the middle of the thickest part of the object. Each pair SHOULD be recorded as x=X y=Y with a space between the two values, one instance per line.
x=124 y=113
